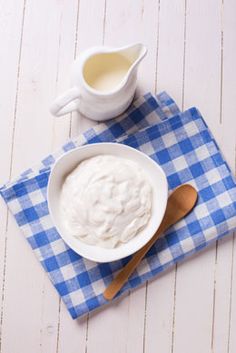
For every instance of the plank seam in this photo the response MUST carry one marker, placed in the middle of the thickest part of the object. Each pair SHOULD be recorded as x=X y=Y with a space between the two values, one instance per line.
x=145 y=318
x=126 y=342
x=221 y=62
x=41 y=321
x=17 y=89
x=214 y=297
x=157 y=43
x=75 y=54
x=184 y=53
x=231 y=281
x=174 y=310
x=56 y=80
x=86 y=335
x=231 y=294
x=104 y=22
x=58 y=327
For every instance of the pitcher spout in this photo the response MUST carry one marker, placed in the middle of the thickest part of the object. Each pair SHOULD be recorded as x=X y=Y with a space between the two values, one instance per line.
x=134 y=53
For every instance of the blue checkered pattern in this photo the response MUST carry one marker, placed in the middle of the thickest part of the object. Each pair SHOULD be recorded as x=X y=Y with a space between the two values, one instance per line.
x=183 y=145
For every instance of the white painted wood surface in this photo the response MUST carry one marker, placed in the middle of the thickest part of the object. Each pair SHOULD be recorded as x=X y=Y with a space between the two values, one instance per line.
x=191 y=54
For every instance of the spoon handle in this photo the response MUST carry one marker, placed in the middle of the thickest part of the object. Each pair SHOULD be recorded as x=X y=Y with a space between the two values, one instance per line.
x=174 y=212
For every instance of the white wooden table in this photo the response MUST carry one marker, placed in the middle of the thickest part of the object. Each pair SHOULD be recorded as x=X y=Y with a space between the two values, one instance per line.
x=191 y=54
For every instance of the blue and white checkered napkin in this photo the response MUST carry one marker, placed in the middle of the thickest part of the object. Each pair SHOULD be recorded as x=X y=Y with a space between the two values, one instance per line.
x=182 y=144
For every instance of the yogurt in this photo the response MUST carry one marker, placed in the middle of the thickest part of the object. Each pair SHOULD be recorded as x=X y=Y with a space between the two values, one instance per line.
x=106 y=201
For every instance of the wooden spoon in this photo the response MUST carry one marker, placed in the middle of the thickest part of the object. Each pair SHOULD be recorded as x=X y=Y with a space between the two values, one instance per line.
x=179 y=204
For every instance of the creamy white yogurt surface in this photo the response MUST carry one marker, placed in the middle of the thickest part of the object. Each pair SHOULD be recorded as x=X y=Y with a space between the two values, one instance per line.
x=106 y=200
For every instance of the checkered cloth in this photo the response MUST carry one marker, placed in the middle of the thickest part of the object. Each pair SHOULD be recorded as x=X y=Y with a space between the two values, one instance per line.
x=183 y=145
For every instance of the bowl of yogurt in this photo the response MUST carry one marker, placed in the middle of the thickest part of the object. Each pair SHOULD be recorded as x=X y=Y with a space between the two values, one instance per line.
x=106 y=200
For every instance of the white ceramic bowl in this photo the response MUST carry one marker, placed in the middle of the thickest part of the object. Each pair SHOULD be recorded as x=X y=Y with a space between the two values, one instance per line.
x=157 y=178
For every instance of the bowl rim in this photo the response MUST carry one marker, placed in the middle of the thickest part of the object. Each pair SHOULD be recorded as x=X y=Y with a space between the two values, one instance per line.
x=67 y=239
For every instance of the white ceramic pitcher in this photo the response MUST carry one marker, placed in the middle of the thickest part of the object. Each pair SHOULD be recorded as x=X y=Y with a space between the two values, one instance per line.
x=103 y=82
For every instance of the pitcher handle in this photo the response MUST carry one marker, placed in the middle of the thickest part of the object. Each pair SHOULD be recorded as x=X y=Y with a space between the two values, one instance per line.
x=65 y=103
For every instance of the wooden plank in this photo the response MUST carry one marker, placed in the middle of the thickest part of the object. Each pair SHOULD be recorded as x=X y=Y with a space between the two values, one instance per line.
x=72 y=333
x=169 y=77
x=89 y=32
x=221 y=124
x=36 y=300
x=195 y=303
x=11 y=23
x=16 y=307
x=170 y=59
x=69 y=333
x=123 y=323
x=222 y=296
x=225 y=319
x=232 y=304
x=67 y=43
